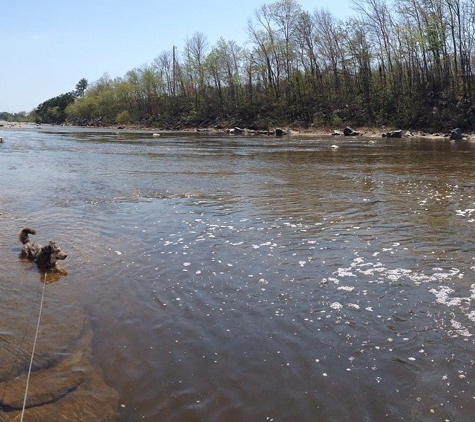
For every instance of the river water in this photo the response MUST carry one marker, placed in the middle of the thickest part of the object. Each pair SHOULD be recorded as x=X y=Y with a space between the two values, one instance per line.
x=256 y=279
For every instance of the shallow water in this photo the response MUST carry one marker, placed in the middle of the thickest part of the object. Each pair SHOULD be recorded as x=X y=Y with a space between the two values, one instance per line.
x=259 y=279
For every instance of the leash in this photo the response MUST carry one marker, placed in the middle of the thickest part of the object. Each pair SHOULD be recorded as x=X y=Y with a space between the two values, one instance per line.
x=33 y=351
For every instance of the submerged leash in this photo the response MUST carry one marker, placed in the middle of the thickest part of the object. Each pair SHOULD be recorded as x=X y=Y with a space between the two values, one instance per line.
x=33 y=351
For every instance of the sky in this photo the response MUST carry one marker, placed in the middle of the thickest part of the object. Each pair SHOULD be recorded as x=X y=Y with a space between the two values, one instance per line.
x=47 y=46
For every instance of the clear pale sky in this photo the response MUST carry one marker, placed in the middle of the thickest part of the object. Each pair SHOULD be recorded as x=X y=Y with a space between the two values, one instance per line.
x=47 y=46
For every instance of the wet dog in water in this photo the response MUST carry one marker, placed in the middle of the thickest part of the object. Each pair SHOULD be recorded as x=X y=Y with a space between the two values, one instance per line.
x=46 y=257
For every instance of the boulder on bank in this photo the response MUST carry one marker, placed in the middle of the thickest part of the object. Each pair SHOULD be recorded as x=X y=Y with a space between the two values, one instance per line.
x=281 y=132
x=235 y=131
x=393 y=134
x=456 y=134
x=348 y=131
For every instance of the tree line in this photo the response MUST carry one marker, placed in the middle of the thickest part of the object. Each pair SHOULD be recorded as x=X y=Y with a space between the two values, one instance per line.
x=54 y=110
x=404 y=63
x=21 y=116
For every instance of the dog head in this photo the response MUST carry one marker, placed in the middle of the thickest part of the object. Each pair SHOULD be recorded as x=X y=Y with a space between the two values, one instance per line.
x=55 y=253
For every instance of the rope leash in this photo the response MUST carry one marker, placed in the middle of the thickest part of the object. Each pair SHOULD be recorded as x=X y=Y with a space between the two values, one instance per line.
x=33 y=351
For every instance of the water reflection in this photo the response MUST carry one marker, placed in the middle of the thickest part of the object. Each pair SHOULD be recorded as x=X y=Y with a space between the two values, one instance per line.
x=258 y=279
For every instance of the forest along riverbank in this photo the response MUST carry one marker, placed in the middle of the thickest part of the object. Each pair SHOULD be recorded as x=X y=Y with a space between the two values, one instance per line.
x=241 y=280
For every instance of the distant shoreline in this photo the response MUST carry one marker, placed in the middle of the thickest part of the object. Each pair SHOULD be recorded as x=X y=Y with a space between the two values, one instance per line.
x=365 y=132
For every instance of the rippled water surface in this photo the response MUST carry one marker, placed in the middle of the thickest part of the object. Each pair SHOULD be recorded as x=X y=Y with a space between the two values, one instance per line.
x=256 y=279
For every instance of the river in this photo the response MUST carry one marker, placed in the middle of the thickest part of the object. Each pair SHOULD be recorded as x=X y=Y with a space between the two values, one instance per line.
x=254 y=279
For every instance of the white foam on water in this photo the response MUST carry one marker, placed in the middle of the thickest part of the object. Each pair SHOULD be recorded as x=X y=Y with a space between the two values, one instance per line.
x=336 y=305
x=465 y=213
x=346 y=288
x=445 y=295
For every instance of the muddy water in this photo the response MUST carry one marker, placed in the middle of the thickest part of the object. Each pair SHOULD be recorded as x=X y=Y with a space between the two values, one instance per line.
x=254 y=279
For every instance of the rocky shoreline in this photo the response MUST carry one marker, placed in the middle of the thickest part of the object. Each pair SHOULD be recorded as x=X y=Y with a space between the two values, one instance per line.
x=367 y=132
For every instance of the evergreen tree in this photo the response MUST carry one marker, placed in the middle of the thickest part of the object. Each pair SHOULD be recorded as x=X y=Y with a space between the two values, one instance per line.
x=81 y=87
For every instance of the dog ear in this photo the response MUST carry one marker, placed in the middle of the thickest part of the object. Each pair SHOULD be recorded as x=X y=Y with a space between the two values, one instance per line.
x=49 y=248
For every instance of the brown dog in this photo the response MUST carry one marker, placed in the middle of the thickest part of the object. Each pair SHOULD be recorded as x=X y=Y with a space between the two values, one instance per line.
x=46 y=257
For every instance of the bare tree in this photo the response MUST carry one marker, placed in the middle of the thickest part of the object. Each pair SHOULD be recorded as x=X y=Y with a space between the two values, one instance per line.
x=195 y=54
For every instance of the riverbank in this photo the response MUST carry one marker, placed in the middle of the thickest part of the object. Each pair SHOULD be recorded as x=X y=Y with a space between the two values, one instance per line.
x=364 y=131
